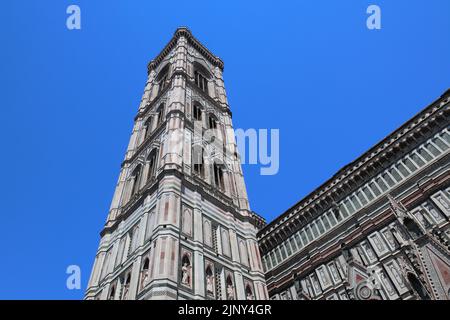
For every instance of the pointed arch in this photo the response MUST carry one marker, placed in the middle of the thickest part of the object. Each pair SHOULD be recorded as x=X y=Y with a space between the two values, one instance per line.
x=136 y=179
x=160 y=114
x=218 y=173
x=151 y=164
x=201 y=76
x=198 y=160
x=197 y=111
x=148 y=127
x=162 y=77
x=212 y=121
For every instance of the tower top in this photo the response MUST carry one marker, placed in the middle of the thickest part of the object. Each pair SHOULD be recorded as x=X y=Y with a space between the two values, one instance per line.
x=185 y=32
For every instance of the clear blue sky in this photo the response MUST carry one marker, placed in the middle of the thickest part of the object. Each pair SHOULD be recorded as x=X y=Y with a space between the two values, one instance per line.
x=68 y=98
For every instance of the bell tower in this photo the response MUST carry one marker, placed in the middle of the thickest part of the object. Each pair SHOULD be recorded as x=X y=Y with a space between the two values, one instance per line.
x=179 y=225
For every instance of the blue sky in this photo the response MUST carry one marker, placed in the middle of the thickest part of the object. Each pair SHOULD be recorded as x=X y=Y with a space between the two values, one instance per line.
x=68 y=98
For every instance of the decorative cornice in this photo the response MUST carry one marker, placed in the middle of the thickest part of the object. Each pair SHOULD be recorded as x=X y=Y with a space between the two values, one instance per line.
x=205 y=190
x=298 y=264
x=400 y=138
x=185 y=32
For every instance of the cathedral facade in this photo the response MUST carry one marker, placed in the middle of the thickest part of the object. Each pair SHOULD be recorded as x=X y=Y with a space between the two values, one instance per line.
x=179 y=225
x=378 y=229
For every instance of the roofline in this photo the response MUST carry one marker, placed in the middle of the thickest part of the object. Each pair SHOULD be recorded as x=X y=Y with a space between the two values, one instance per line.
x=185 y=32
x=344 y=169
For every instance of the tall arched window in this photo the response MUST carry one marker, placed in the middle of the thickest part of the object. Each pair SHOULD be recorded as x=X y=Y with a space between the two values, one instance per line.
x=197 y=112
x=218 y=176
x=198 y=161
x=160 y=114
x=212 y=122
x=151 y=163
x=148 y=127
x=162 y=78
x=136 y=178
x=201 y=76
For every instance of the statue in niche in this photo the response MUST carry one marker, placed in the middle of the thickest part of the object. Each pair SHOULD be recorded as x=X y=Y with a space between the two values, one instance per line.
x=209 y=283
x=186 y=272
x=230 y=291
x=249 y=295
x=145 y=279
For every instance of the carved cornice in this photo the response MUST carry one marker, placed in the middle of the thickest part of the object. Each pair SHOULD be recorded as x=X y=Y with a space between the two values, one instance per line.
x=300 y=264
x=207 y=191
x=398 y=140
x=185 y=32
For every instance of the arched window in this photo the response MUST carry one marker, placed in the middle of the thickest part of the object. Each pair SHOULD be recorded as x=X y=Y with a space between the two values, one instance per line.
x=162 y=78
x=198 y=161
x=201 y=76
x=151 y=163
x=212 y=122
x=160 y=114
x=136 y=179
x=197 y=112
x=218 y=176
x=148 y=127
